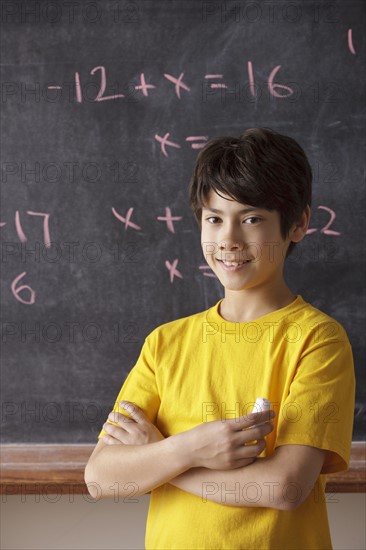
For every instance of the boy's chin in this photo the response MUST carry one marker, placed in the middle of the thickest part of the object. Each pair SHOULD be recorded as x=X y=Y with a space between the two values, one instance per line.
x=232 y=286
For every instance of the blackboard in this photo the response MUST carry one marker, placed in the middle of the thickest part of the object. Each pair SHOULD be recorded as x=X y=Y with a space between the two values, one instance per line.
x=105 y=106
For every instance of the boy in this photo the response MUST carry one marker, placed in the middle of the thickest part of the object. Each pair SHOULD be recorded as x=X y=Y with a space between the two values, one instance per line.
x=181 y=428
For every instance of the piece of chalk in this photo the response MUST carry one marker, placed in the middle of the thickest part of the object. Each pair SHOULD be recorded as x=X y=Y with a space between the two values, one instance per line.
x=262 y=404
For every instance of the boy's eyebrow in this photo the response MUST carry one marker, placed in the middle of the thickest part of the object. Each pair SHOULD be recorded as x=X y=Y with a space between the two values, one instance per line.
x=243 y=211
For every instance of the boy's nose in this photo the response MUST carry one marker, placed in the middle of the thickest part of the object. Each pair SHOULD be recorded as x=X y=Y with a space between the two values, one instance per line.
x=229 y=244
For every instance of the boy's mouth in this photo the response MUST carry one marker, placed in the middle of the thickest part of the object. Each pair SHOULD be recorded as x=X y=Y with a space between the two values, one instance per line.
x=232 y=265
x=234 y=262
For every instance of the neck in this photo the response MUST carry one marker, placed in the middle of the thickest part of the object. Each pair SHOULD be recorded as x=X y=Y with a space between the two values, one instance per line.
x=248 y=305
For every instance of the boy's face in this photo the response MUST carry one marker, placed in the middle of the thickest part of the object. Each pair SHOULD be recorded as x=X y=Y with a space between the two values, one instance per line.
x=251 y=238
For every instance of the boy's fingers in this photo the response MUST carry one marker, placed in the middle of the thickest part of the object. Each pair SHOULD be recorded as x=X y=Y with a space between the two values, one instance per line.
x=254 y=448
x=113 y=430
x=110 y=440
x=133 y=410
x=251 y=419
x=118 y=418
x=136 y=414
x=255 y=433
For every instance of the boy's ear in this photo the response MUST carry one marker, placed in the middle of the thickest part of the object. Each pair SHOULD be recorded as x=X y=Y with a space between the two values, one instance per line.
x=299 y=229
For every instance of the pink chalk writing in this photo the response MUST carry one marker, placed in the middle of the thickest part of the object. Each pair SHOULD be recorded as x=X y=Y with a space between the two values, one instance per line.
x=197 y=138
x=178 y=83
x=215 y=85
x=19 y=228
x=169 y=219
x=16 y=291
x=350 y=42
x=144 y=87
x=46 y=229
x=173 y=271
x=251 y=78
x=279 y=91
x=126 y=220
x=164 y=141
x=326 y=229
x=79 y=96
x=272 y=87
x=205 y=274
x=103 y=85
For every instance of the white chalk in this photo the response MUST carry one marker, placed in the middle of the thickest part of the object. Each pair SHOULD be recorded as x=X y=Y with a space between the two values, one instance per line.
x=262 y=404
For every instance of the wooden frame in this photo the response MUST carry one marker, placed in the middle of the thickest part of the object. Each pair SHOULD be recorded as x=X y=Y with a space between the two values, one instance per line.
x=59 y=469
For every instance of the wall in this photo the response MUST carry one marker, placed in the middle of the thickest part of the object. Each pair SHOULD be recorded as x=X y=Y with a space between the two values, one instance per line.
x=76 y=524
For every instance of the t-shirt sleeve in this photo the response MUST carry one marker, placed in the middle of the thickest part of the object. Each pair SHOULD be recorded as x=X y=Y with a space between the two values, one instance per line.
x=319 y=408
x=140 y=386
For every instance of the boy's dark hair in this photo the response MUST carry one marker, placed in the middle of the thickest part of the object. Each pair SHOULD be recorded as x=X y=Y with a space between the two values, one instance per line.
x=260 y=168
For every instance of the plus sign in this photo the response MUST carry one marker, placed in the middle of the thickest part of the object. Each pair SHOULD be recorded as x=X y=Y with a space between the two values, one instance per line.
x=144 y=87
x=178 y=83
x=169 y=219
x=126 y=220
x=172 y=269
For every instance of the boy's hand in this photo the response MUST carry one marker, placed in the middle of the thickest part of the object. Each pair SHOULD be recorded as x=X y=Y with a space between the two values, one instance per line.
x=218 y=445
x=137 y=430
x=223 y=444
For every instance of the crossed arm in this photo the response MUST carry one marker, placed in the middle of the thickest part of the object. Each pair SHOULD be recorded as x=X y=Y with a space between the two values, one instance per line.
x=281 y=481
x=212 y=461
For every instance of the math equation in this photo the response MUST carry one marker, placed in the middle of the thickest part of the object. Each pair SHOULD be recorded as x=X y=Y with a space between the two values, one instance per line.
x=26 y=294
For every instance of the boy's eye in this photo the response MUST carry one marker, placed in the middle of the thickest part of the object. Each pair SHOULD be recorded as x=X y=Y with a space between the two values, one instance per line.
x=253 y=219
x=250 y=221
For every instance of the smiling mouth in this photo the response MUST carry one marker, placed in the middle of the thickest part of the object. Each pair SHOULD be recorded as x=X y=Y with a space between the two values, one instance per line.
x=234 y=264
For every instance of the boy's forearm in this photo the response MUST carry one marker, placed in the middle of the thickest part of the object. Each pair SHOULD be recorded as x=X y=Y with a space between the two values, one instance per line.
x=282 y=481
x=133 y=470
x=260 y=484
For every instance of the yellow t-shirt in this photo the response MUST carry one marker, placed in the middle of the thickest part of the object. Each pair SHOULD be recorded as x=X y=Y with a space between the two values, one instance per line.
x=202 y=368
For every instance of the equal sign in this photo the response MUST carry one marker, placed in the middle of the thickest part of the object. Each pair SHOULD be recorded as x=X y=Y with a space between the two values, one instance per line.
x=207 y=274
x=195 y=138
x=215 y=85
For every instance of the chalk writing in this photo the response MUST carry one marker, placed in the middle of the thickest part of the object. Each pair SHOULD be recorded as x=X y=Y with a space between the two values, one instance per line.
x=169 y=219
x=103 y=85
x=164 y=141
x=144 y=87
x=172 y=269
x=215 y=85
x=126 y=220
x=350 y=42
x=326 y=229
x=272 y=87
x=19 y=229
x=205 y=274
x=16 y=291
x=178 y=84
x=197 y=138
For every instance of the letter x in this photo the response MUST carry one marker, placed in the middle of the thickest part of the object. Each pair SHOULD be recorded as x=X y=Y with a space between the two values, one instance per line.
x=126 y=220
x=172 y=269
